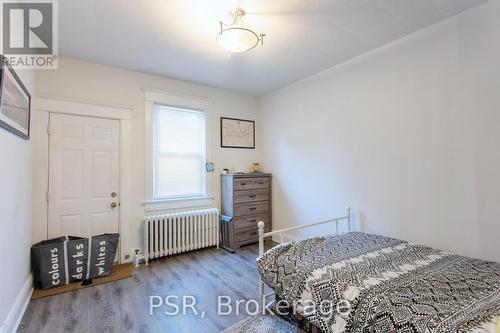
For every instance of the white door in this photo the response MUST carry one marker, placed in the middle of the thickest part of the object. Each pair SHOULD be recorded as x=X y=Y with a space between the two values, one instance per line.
x=83 y=176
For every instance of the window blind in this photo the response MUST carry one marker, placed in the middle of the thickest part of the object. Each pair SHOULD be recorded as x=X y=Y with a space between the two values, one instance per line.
x=179 y=152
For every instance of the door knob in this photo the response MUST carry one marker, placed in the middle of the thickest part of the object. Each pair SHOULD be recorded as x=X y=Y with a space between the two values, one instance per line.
x=114 y=204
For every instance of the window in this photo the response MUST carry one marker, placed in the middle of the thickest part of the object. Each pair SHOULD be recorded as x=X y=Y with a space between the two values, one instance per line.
x=178 y=152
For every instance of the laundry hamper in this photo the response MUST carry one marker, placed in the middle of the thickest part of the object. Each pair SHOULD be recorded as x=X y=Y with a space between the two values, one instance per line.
x=102 y=254
x=69 y=259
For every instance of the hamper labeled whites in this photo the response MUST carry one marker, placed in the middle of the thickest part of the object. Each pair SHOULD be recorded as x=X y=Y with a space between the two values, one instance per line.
x=69 y=259
x=102 y=254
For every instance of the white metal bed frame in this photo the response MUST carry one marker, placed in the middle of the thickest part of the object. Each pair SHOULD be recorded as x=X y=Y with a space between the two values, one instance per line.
x=262 y=235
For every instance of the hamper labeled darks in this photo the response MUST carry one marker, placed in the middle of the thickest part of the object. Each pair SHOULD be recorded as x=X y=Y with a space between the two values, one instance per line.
x=69 y=259
x=77 y=250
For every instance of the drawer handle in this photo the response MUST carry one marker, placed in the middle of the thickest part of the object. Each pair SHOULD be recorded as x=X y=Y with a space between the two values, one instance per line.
x=243 y=184
x=252 y=196
x=252 y=220
x=261 y=183
x=253 y=208
x=253 y=233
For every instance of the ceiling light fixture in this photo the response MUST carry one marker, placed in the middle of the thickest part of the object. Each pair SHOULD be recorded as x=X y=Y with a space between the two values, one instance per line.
x=235 y=37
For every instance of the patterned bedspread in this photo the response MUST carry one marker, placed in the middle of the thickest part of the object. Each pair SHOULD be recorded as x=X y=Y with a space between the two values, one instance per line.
x=359 y=282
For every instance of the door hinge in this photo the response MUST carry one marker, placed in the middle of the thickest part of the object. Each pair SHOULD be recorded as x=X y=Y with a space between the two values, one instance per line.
x=48 y=129
x=47 y=196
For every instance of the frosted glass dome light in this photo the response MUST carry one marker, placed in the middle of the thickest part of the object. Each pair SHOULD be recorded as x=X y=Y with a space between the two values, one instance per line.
x=235 y=37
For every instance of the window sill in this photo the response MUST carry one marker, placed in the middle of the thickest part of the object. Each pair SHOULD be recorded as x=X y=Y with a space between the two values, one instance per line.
x=178 y=203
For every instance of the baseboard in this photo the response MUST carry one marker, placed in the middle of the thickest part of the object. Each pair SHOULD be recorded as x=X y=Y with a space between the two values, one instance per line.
x=17 y=311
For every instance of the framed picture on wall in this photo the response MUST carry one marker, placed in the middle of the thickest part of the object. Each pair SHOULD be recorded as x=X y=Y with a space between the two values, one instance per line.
x=237 y=133
x=15 y=102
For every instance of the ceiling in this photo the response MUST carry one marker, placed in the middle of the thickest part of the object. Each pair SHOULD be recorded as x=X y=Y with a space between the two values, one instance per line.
x=176 y=38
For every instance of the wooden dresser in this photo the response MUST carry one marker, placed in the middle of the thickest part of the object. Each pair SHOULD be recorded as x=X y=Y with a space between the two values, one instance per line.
x=245 y=200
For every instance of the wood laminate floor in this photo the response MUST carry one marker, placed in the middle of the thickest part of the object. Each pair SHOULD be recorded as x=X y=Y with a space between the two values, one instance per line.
x=124 y=306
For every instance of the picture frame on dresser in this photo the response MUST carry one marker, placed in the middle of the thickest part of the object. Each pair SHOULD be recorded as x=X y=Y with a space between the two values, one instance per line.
x=15 y=102
x=237 y=133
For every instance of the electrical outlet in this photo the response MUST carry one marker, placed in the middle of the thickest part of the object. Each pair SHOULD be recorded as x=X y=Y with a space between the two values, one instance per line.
x=127 y=256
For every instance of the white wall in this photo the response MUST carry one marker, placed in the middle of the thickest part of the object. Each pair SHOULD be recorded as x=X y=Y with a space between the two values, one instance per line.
x=409 y=135
x=15 y=215
x=88 y=82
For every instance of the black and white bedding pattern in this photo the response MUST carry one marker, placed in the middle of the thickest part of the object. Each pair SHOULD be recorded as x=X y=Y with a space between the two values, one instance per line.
x=360 y=282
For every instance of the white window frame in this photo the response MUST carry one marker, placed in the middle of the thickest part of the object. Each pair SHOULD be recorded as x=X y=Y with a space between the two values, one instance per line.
x=185 y=102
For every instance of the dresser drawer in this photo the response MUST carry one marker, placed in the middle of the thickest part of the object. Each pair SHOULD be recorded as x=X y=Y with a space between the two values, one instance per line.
x=251 y=208
x=264 y=182
x=243 y=184
x=252 y=195
x=251 y=221
x=246 y=235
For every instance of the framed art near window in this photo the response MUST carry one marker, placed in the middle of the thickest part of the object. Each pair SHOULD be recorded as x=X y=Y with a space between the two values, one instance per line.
x=237 y=133
x=15 y=102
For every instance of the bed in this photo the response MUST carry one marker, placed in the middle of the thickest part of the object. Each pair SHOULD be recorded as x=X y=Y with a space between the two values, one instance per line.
x=359 y=282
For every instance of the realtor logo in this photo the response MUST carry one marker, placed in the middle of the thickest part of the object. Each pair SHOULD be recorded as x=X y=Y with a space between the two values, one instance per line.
x=29 y=33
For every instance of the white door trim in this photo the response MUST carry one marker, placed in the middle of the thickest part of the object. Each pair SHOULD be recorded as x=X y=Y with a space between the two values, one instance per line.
x=58 y=105
x=47 y=105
